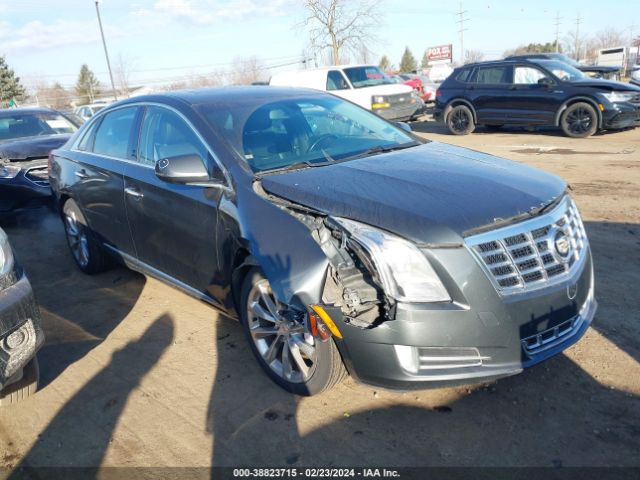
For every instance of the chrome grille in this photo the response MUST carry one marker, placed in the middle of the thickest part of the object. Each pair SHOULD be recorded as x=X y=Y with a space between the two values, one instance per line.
x=525 y=256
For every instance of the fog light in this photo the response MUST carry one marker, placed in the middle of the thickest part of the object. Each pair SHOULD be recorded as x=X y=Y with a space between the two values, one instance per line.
x=16 y=339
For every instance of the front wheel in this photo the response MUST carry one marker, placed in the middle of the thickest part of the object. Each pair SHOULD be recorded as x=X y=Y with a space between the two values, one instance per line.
x=460 y=120
x=579 y=120
x=282 y=344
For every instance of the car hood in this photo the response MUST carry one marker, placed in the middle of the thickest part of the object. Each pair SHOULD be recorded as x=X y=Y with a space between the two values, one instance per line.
x=434 y=193
x=605 y=84
x=29 y=148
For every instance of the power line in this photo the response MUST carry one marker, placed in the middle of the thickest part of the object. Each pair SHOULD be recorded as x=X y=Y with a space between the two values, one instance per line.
x=461 y=13
x=557 y=24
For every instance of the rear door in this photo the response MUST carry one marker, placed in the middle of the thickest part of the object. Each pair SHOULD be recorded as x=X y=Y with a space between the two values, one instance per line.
x=98 y=170
x=488 y=91
x=173 y=226
x=532 y=103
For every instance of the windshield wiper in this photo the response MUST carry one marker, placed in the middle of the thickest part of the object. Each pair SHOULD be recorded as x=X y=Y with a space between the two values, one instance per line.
x=381 y=149
x=295 y=166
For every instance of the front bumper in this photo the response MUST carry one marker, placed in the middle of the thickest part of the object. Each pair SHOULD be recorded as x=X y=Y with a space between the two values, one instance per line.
x=26 y=190
x=621 y=115
x=398 y=112
x=488 y=338
x=21 y=333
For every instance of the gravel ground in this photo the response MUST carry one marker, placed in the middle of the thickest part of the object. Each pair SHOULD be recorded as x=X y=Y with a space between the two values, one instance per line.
x=135 y=373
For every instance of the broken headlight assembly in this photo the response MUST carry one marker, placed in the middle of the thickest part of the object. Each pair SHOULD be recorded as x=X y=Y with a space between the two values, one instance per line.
x=404 y=272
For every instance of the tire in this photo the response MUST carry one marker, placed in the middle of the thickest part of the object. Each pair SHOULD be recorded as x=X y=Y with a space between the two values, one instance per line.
x=23 y=388
x=324 y=367
x=85 y=248
x=579 y=120
x=460 y=120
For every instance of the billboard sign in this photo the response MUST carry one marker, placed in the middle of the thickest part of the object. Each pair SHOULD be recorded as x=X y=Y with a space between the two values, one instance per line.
x=440 y=53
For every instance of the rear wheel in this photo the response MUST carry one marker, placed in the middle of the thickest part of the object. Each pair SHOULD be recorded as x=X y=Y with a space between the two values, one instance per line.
x=282 y=344
x=23 y=388
x=579 y=120
x=85 y=249
x=460 y=120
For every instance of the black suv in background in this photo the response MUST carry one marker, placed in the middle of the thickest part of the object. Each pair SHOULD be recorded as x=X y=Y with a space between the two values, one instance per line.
x=536 y=92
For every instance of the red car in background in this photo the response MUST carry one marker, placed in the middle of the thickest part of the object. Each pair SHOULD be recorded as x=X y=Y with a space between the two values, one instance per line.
x=424 y=86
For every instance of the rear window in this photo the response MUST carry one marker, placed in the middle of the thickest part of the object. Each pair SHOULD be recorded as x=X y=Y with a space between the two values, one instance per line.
x=464 y=75
x=492 y=75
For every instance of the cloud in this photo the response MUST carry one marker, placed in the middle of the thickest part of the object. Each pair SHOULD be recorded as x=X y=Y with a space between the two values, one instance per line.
x=210 y=12
x=37 y=36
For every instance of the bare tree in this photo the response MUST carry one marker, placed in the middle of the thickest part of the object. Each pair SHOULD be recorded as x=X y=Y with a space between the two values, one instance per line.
x=473 y=56
x=246 y=71
x=341 y=25
x=124 y=66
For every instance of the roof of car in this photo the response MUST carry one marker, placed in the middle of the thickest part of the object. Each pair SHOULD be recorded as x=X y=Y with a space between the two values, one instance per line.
x=226 y=94
x=510 y=61
x=6 y=112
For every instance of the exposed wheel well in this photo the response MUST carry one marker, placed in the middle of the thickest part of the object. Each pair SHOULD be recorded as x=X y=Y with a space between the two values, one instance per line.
x=242 y=263
x=574 y=100
x=459 y=101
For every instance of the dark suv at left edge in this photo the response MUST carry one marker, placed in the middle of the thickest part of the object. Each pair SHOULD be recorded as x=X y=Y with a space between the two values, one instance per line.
x=535 y=92
x=21 y=333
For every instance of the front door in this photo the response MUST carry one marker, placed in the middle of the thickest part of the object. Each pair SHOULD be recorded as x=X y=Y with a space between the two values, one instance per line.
x=532 y=102
x=173 y=226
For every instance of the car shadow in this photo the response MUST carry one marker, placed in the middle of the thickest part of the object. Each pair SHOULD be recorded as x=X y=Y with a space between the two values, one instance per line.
x=81 y=432
x=75 y=324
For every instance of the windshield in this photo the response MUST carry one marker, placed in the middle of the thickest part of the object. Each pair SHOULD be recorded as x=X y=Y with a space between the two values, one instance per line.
x=563 y=70
x=361 y=77
x=306 y=131
x=21 y=125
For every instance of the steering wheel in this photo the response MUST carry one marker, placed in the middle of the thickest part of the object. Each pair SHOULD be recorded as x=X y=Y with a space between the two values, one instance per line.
x=320 y=139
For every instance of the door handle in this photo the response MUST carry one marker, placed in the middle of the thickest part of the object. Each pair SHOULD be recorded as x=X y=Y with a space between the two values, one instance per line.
x=134 y=192
x=81 y=174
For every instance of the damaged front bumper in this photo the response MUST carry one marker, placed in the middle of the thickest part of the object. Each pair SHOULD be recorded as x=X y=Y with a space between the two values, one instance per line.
x=427 y=346
x=21 y=333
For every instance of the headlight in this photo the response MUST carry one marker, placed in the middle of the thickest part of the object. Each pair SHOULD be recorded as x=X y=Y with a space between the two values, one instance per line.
x=6 y=254
x=8 y=171
x=404 y=271
x=617 y=97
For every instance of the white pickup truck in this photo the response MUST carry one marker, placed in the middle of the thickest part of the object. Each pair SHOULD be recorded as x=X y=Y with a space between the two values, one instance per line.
x=365 y=85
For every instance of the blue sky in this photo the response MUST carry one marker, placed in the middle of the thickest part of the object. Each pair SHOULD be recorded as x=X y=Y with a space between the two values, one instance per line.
x=165 y=39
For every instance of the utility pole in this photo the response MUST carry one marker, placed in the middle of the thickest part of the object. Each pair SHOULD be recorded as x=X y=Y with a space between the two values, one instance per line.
x=557 y=24
x=461 y=13
x=577 y=39
x=106 y=53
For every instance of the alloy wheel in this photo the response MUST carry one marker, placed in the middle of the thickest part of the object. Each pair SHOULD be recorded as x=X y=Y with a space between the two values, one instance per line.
x=77 y=239
x=579 y=120
x=460 y=121
x=282 y=340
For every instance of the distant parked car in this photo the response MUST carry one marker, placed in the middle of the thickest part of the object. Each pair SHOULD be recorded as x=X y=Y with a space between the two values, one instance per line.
x=365 y=85
x=428 y=88
x=21 y=333
x=532 y=93
x=27 y=135
x=607 y=72
x=88 y=111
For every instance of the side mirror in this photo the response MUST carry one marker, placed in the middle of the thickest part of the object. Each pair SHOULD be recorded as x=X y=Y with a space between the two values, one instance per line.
x=545 y=81
x=182 y=169
x=404 y=126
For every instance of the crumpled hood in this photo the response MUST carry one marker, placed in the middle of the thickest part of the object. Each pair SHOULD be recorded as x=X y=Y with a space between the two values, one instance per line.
x=432 y=193
x=31 y=147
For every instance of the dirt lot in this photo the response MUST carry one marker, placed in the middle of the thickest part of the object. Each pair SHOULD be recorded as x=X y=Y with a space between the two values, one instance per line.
x=135 y=373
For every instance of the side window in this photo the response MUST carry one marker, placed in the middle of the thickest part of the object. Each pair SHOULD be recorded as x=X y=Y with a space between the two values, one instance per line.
x=85 y=143
x=492 y=75
x=113 y=134
x=164 y=134
x=336 y=81
x=527 y=75
x=463 y=76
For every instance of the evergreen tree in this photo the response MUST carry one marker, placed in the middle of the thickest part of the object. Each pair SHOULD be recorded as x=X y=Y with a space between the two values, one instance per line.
x=408 y=63
x=11 y=91
x=87 y=85
x=384 y=63
x=425 y=60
